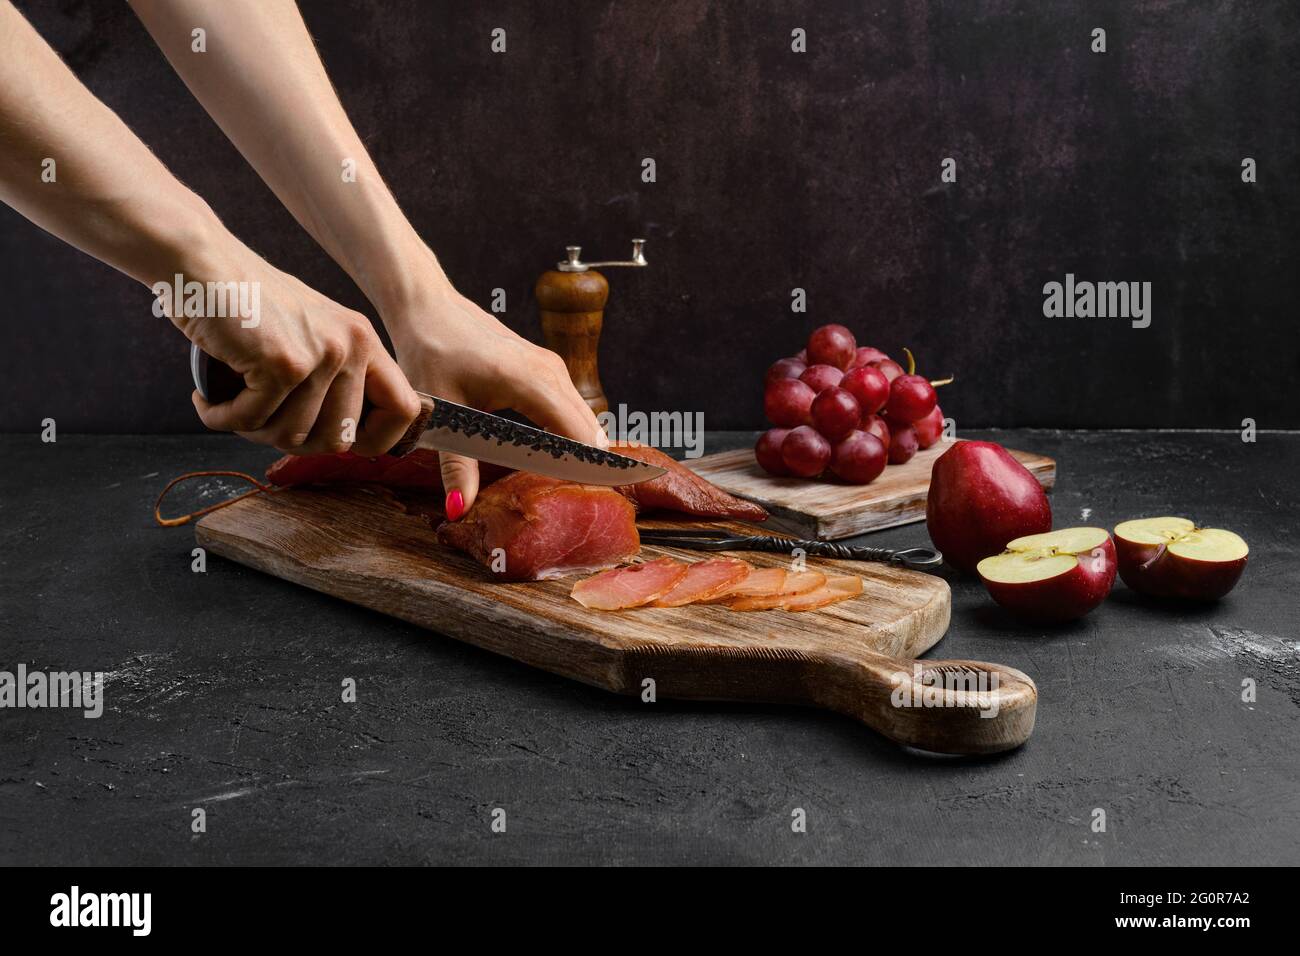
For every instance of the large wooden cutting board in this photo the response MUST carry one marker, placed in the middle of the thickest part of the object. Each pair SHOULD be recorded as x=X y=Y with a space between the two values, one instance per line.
x=829 y=510
x=363 y=546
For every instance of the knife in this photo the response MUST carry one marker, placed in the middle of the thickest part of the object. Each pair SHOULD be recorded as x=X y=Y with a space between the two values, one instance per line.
x=469 y=432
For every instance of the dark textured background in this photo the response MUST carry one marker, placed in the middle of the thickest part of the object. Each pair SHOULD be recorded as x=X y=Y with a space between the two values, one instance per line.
x=775 y=170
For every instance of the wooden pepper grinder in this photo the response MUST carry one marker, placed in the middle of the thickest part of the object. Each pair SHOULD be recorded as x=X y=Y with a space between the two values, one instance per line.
x=572 y=299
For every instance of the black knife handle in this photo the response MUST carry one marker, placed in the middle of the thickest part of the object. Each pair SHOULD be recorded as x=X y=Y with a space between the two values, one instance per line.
x=218 y=382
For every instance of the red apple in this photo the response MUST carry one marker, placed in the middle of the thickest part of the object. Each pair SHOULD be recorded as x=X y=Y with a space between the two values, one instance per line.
x=1171 y=557
x=805 y=452
x=787 y=403
x=1055 y=576
x=832 y=345
x=869 y=386
x=821 y=377
x=859 y=458
x=768 y=451
x=784 y=368
x=902 y=444
x=980 y=498
x=835 y=413
x=930 y=428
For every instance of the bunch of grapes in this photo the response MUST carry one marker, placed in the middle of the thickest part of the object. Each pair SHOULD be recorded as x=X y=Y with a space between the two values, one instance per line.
x=844 y=409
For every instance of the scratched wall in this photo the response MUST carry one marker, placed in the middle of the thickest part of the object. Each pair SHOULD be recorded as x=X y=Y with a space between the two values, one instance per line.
x=775 y=170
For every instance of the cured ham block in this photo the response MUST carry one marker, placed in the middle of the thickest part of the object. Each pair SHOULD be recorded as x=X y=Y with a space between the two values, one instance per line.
x=632 y=586
x=527 y=527
x=704 y=580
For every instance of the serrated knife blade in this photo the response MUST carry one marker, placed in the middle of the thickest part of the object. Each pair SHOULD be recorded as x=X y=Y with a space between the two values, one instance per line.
x=448 y=426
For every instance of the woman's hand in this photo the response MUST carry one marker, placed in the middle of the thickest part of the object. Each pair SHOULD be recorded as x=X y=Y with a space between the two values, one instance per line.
x=308 y=364
x=450 y=348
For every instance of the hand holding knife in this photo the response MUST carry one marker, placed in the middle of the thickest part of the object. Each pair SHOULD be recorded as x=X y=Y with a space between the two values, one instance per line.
x=466 y=431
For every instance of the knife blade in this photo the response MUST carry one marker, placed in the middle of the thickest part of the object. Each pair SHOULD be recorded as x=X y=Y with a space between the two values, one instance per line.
x=469 y=432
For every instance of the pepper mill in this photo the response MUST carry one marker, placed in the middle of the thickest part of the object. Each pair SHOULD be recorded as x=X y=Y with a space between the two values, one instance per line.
x=572 y=299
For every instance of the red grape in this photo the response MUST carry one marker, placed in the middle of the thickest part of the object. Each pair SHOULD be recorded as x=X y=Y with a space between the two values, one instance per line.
x=902 y=444
x=835 y=413
x=784 y=368
x=911 y=398
x=802 y=356
x=891 y=368
x=832 y=345
x=787 y=401
x=821 y=377
x=859 y=458
x=869 y=386
x=866 y=355
x=930 y=428
x=875 y=425
x=768 y=451
x=805 y=452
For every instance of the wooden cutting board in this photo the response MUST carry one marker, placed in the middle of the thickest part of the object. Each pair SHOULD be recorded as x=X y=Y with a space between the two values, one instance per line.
x=829 y=510
x=364 y=546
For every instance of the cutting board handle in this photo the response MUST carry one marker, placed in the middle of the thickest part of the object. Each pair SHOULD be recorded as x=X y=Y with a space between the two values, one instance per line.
x=942 y=706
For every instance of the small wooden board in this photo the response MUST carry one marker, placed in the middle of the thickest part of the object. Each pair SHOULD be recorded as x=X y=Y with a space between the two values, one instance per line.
x=826 y=509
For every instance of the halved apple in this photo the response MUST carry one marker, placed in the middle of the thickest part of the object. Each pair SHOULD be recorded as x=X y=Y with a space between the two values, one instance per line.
x=1171 y=557
x=1054 y=576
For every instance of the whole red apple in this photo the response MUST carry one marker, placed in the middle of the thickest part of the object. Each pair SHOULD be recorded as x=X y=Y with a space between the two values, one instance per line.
x=1171 y=557
x=1055 y=576
x=980 y=498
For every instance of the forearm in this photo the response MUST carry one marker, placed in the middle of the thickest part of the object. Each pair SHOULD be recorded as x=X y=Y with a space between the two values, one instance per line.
x=105 y=192
x=263 y=83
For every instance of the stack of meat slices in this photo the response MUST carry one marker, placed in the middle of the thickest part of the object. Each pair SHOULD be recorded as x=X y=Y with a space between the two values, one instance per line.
x=730 y=582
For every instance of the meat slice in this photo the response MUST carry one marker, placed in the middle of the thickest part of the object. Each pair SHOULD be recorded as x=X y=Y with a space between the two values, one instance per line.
x=632 y=586
x=683 y=490
x=796 y=584
x=704 y=580
x=759 y=581
x=838 y=587
x=527 y=527
x=417 y=471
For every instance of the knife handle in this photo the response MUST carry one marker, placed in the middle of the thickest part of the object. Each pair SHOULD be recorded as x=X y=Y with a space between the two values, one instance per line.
x=218 y=382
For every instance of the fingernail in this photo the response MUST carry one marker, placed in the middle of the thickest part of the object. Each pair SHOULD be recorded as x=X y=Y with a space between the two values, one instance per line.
x=602 y=439
x=455 y=505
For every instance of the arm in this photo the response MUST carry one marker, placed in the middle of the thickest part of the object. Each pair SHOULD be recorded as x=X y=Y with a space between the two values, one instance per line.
x=263 y=83
x=307 y=361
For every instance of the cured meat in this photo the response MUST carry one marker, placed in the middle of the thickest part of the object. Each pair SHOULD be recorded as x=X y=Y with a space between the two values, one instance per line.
x=632 y=586
x=761 y=581
x=800 y=582
x=527 y=527
x=682 y=490
x=838 y=587
x=418 y=470
x=704 y=580
x=679 y=490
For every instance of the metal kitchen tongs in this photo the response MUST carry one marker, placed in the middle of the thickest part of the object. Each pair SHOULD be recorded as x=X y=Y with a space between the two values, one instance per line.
x=917 y=559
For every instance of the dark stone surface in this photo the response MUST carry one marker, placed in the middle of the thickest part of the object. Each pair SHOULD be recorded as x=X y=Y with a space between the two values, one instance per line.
x=775 y=170
x=223 y=692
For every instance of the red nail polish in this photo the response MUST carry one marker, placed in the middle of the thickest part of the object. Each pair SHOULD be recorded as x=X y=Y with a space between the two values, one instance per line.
x=455 y=505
